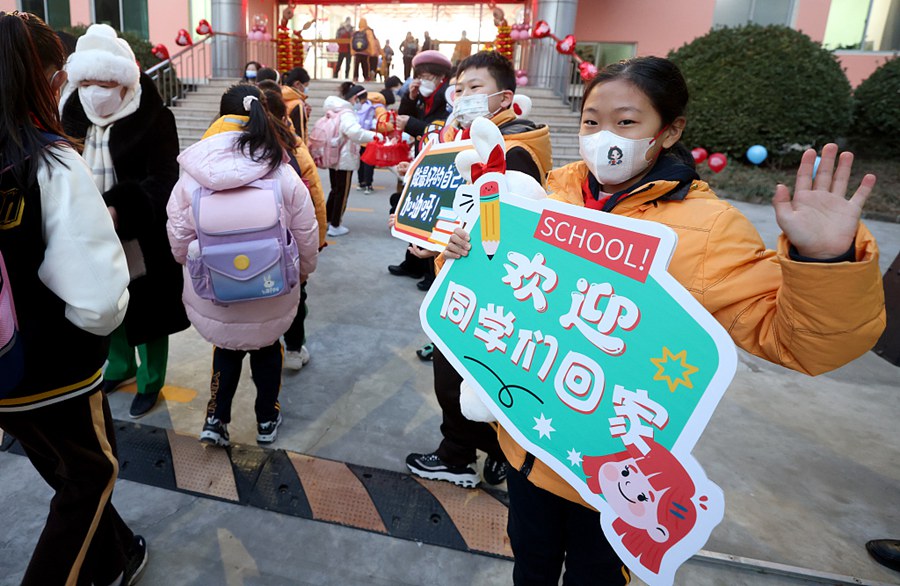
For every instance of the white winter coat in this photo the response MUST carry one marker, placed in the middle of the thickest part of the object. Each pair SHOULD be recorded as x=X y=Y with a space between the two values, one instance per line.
x=352 y=133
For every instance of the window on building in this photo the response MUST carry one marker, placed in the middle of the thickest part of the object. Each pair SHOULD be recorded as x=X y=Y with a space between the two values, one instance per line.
x=602 y=54
x=53 y=12
x=762 y=12
x=124 y=15
x=869 y=25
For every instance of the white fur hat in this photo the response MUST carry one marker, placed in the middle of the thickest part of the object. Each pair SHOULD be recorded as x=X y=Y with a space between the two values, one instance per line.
x=101 y=55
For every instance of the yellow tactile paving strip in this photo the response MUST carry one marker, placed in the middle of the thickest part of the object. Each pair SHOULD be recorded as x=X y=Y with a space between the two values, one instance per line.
x=201 y=469
x=479 y=517
x=335 y=494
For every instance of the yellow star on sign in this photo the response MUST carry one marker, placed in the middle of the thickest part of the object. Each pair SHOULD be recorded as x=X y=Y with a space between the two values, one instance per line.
x=683 y=377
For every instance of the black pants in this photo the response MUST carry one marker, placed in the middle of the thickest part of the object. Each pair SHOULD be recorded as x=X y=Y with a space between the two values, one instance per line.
x=295 y=336
x=407 y=66
x=546 y=530
x=424 y=267
x=366 y=172
x=265 y=368
x=344 y=58
x=360 y=60
x=373 y=67
x=73 y=447
x=337 y=197
x=461 y=436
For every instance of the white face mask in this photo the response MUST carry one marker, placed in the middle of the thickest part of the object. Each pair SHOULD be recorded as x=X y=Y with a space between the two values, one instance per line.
x=613 y=159
x=468 y=108
x=101 y=101
x=426 y=87
x=250 y=74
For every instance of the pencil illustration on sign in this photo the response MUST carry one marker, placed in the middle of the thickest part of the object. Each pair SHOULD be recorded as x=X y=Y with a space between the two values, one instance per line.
x=485 y=169
x=489 y=197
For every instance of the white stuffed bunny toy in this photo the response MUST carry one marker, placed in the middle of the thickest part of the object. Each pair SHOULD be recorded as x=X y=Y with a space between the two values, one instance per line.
x=484 y=169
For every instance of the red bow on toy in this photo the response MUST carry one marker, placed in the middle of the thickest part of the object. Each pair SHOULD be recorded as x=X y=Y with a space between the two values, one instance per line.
x=496 y=163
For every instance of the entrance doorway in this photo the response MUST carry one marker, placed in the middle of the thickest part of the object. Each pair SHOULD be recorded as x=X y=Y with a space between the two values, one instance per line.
x=390 y=22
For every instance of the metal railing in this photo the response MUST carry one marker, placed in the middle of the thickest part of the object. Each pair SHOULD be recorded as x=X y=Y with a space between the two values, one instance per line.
x=182 y=72
x=550 y=68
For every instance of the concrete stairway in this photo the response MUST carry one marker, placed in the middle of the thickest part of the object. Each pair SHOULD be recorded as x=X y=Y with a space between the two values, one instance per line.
x=194 y=113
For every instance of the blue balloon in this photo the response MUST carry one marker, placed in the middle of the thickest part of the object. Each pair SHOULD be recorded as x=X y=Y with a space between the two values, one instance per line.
x=757 y=154
x=816 y=166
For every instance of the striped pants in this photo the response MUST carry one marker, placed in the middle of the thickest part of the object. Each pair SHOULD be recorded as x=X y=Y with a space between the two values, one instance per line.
x=72 y=446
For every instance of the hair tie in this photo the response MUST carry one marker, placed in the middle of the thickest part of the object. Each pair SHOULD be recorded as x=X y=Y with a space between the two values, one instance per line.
x=248 y=101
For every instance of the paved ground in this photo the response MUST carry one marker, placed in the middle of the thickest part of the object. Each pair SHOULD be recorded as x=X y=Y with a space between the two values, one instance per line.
x=810 y=467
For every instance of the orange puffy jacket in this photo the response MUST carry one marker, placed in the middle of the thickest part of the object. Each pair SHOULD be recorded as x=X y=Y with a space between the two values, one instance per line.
x=809 y=317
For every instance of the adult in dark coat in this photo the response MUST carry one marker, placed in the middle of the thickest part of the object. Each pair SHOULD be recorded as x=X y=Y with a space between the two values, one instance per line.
x=121 y=117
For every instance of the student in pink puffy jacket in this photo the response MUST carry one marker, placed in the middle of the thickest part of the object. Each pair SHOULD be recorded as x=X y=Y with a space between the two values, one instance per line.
x=241 y=147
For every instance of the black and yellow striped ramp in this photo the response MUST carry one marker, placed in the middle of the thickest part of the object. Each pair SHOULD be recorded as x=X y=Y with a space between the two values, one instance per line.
x=380 y=501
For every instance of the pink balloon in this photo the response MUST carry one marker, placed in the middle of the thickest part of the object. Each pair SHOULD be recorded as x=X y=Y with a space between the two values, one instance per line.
x=266 y=37
x=717 y=162
x=522 y=81
x=699 y=154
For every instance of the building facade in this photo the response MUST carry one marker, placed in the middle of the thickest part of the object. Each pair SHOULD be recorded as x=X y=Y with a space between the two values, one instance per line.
x=863 y=33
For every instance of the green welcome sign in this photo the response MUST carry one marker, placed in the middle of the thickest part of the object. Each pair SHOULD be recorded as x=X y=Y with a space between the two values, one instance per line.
x=596 y=361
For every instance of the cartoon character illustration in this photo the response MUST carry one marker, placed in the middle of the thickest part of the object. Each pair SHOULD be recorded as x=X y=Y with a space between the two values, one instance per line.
x=652 y=495
x=615 y=155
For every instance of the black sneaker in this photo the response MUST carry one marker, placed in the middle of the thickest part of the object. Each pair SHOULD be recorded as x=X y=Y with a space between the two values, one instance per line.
x=136 y=562
x=267 y=431
x=401 y=271
x=425 y=284
x=494 y=471
x=431 y=466
x=215 y=433
x=142 y=404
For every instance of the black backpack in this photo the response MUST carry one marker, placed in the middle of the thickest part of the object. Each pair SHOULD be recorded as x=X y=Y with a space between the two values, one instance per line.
x=359 y=41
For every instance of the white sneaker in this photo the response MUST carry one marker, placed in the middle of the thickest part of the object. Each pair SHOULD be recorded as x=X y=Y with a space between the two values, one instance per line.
x=337 y=231
x=296 y=360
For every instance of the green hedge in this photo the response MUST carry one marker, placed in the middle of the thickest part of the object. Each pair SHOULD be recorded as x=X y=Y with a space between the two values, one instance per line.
x=770 y=85
x=876 y=121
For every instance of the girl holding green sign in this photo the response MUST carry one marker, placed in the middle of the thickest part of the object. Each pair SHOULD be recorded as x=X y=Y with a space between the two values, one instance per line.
x=813 y=305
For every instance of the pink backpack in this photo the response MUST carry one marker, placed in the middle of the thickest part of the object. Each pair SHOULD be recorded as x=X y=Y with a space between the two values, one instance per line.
x=325 y=140
x=12 y=360
x=243 y=250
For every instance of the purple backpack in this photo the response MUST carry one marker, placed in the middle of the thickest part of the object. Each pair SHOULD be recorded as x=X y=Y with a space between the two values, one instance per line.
x=12 y=359
x=243 y=251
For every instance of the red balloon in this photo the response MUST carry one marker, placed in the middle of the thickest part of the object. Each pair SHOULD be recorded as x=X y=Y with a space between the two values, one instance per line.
x=204 y=28
x=717 y=162
x=567 y=45
x=587 y=70
x=160 y=52
x=541 y=29
x=699 y=154
x=183 y=38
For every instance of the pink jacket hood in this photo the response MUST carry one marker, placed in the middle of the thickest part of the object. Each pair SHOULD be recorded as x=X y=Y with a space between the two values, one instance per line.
x=216 y=163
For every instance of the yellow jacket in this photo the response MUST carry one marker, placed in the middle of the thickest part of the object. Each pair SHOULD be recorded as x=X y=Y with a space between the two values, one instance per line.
x=293 y=99
x=310 y=175
x=809 y=317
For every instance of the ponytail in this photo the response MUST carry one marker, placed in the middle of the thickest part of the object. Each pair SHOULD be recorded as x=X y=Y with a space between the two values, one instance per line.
x=259 y=140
